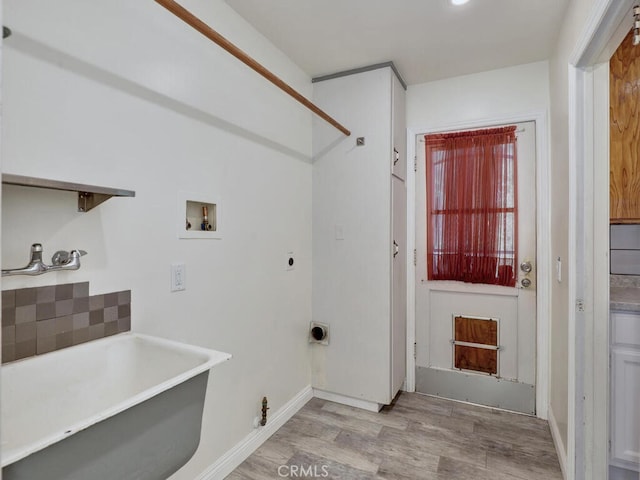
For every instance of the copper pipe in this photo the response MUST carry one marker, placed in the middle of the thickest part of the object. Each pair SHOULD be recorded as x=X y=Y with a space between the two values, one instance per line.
x=189 y=18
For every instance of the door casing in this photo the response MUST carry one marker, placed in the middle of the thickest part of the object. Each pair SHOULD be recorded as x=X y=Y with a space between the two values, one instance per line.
x=588 y=386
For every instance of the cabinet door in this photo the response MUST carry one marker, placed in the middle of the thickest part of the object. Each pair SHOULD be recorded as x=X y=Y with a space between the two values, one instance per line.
x=625 y=403
x=399 y=136
x=624 y=180
x=399 y=285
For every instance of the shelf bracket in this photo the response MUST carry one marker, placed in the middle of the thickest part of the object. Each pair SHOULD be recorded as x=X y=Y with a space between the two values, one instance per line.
x=88 y=200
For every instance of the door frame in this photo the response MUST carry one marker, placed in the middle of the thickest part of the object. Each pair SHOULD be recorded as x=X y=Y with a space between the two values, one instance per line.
x=543 y=244
x=588 y=388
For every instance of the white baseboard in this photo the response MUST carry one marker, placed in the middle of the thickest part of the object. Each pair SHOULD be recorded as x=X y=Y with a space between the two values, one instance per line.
x=557 y=441
x=239 y=453
x=350 y=401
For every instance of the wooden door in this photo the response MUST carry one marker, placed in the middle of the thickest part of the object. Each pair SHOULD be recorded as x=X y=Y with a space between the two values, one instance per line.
x=624 y=178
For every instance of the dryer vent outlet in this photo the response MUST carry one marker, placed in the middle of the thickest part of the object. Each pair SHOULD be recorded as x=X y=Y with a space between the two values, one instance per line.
x=319 y=333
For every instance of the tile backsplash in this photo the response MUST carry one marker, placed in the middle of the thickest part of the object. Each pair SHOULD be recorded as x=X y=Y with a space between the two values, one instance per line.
x=625 y=249
x=43 y=319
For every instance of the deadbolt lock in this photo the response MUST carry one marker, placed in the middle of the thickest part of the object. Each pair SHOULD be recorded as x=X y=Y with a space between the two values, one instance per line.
x=525 y=282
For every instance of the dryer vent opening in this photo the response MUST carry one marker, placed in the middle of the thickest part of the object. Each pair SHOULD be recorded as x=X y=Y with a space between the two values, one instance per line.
x=319 y=333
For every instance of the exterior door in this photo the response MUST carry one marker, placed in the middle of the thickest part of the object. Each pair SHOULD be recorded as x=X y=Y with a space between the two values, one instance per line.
x=508 y=313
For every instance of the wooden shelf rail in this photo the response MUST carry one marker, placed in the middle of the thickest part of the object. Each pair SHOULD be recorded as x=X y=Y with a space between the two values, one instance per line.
x=189 y=18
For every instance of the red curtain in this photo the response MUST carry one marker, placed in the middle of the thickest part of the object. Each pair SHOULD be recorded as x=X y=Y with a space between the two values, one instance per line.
x=472 y=215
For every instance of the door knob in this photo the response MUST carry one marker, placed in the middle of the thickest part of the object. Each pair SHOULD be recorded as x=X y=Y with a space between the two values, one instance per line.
x=526 y=266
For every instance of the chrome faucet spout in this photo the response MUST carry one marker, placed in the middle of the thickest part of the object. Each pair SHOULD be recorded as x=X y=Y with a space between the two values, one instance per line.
x=61 y=261
x=35 y=266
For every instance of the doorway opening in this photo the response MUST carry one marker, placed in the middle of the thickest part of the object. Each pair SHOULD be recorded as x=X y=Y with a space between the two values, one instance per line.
x=494 y=373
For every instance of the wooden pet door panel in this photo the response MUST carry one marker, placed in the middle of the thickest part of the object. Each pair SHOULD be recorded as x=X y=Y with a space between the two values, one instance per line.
x=475 y=344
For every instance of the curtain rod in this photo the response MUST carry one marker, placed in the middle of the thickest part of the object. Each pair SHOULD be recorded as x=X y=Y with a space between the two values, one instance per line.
x=520 y=130
x=189 y=18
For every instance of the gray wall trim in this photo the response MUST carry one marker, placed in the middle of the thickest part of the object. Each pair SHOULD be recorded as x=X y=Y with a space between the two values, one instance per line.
x=480 y=389
x=361 y=70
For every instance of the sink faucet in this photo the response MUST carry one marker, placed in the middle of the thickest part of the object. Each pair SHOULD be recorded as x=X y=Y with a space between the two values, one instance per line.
x=61 y=260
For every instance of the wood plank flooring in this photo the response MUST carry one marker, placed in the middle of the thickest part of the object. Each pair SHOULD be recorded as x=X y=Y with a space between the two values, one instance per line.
x=417 y=438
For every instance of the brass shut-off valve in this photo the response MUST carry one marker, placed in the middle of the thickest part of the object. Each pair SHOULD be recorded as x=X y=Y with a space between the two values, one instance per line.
x=263 y=421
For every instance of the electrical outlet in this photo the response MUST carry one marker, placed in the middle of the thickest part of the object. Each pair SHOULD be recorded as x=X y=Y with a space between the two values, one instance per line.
x=178 y=278
x=290 y=261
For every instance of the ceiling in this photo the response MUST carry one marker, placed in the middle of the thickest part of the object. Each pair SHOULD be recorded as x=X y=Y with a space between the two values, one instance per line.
x=426 y=39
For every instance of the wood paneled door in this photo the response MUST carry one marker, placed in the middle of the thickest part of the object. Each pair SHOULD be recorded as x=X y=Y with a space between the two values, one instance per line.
x=624 y=179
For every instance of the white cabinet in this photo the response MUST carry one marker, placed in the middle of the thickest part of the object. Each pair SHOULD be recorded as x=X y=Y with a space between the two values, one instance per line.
x=359 y=237
x=399 y=141
x=625 y=390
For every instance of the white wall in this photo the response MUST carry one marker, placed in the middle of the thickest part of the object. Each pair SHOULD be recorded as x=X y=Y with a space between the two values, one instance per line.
x=123 y=94
x=469 y=98
x=574 y=22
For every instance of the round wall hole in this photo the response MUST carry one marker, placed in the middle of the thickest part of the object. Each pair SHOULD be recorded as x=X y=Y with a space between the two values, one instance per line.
x=318 y=333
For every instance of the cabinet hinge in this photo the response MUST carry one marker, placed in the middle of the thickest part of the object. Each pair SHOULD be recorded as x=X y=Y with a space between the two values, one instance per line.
x=415 y=257
x=415 y=163
x=609 y=445
x=415 y=350
x=580 y=305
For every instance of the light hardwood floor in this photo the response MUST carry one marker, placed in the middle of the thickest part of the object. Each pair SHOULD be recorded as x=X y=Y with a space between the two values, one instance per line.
x=417 y=438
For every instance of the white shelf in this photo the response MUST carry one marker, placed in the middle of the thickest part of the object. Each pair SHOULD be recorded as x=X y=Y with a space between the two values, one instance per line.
x=89 y=196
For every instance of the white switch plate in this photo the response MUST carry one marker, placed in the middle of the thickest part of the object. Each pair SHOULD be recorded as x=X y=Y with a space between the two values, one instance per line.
x=178 y=278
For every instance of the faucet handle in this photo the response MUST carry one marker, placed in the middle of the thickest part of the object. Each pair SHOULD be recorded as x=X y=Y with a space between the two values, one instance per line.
x=60 y=257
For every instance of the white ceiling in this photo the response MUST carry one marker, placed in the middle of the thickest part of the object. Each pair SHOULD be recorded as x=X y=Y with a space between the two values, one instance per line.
x=426 y=39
